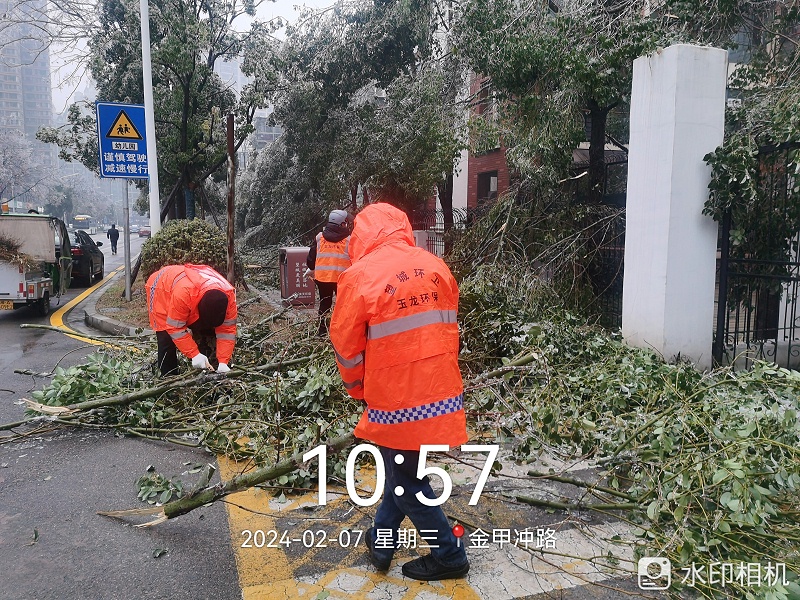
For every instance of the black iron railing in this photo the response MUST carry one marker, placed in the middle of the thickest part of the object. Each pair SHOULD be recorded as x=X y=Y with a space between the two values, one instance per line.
x=758 y=278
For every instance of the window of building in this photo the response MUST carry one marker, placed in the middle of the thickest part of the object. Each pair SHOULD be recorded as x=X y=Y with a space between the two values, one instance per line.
x=484 y=100
x=487 y=186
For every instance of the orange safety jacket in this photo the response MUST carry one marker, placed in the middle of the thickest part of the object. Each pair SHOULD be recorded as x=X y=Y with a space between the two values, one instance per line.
x=173 y=294
x=332 y=258
x=395 y=336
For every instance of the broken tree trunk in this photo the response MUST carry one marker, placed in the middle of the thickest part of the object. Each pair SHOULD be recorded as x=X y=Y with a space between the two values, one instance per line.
x=204 y=496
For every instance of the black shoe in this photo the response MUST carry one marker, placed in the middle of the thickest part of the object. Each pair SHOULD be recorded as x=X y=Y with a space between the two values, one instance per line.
x=379 y=563
x=427 y=568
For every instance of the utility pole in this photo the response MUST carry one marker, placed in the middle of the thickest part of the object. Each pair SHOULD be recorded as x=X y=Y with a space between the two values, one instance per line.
x=231 y=189
x=126 y=240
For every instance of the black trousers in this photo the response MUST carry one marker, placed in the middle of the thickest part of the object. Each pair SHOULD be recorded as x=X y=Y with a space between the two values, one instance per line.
x=326 y=291
x=168 y=352
x=114 y=246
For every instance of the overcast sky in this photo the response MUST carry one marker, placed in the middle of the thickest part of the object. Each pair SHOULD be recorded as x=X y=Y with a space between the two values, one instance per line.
x=64 y=90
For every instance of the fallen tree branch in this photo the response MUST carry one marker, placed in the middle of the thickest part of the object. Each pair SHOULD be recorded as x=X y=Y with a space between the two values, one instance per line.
x=103 y=340
x=174 y=383
x=579 y=506
x=206 y=495
x=583 y=484
x=518 y=362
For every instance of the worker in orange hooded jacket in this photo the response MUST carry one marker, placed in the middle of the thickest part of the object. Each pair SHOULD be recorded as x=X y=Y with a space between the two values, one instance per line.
x=395 y=337
x=188 y=297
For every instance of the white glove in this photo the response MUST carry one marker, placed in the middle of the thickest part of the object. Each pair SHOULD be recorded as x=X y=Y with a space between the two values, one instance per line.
x=201 y=362
x=308 y=273
x=223 y=368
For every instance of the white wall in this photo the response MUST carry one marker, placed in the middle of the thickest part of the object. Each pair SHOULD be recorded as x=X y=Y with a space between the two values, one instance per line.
x=460 y=181
x=677 y=117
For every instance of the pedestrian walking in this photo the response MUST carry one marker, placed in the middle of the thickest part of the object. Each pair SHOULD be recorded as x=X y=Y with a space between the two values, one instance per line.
x=187 y=303
x=113 y=235
x=395 y=338
x=327 y=259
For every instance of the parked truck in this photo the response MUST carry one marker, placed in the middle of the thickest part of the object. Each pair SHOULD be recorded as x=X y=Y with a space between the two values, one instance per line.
x=35 y=261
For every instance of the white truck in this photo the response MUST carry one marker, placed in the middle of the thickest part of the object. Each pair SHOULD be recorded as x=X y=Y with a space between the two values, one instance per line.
x=35 y=261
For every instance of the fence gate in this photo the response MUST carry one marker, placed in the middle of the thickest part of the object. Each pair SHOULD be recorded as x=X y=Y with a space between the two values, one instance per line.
x=758 y=275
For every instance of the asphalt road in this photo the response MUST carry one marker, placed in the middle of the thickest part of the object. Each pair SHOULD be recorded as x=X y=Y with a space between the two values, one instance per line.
x=52 y=542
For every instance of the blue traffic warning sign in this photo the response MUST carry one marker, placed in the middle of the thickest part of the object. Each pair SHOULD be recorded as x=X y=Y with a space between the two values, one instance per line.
x=121 y=140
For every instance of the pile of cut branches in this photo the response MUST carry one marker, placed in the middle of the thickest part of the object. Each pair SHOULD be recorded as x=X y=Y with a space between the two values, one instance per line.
x=262 y=411
x=11 y=252
x=705 y=467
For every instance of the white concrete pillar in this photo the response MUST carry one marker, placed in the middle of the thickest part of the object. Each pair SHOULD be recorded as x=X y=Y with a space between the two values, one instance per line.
x=460 y=180
x=677 y=117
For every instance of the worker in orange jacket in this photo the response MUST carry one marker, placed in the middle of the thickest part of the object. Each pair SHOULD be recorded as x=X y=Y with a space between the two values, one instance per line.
x=183 y=300
x=395 y=338
x=327 y=259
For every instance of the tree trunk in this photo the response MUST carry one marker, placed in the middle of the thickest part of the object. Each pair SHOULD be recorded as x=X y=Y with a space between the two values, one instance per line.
x=446 y=201
x=246 y=480
x=597 y=143
x=168 y=208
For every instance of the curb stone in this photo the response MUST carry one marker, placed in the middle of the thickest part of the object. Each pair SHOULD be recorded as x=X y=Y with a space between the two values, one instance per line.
x=92 y=318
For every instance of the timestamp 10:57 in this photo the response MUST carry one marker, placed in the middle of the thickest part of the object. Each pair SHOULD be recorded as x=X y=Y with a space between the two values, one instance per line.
x=423 y=469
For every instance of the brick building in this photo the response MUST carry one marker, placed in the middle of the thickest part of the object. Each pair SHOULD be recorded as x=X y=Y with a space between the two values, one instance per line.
x=487 y=174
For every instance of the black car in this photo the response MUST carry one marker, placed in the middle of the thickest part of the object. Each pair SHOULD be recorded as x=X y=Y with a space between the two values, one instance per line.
x=88 y=261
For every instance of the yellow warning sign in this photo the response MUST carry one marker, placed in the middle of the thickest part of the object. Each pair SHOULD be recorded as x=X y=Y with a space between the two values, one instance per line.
x=123 y=128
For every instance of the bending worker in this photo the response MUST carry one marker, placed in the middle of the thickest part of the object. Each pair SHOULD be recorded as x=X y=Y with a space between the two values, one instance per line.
x=184 y=301
x=395 y=337
x=327 y=258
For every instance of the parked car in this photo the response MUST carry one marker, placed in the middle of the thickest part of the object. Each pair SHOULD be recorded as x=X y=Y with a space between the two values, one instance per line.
x=88 y=261
x=135 y=229
x=144 y=232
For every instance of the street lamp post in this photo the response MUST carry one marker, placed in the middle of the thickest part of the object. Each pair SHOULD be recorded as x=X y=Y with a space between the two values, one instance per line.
x=150 y=124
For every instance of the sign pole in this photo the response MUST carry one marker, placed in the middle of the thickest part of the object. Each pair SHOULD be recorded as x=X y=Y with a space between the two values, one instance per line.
x=126 y=216
x=150 y=124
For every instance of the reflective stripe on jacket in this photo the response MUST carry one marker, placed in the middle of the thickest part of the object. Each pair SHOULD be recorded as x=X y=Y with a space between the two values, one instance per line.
x=173 y=294
x=332 y=258
x=395 y=336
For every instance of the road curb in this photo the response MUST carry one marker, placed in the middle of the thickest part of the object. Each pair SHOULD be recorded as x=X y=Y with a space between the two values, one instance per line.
x=94 y=319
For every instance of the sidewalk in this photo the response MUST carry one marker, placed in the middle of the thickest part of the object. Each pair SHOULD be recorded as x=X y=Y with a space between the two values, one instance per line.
x=516 y=551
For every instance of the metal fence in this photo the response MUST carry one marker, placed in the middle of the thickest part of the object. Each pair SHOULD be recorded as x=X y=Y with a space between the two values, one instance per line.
x=431 y=222
x=606 y=266
x=758 y=277
x=603 y=233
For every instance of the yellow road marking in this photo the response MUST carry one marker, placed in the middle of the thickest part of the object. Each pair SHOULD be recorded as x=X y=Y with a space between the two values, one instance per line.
x=57 y=318
x=267 y=574
x=254 y=564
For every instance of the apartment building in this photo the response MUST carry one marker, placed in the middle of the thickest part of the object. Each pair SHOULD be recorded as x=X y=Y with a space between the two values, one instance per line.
x=26 y=100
